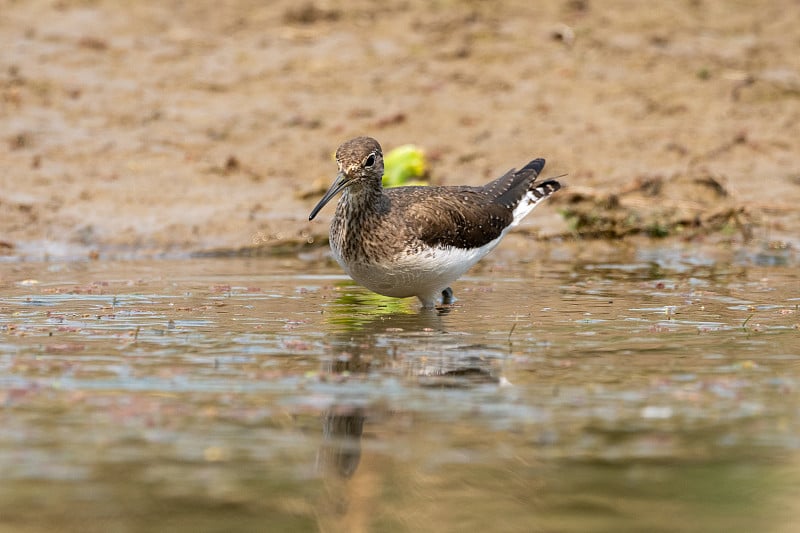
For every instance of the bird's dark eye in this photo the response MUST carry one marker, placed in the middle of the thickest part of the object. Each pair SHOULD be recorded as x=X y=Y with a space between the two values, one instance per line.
x=369 y=161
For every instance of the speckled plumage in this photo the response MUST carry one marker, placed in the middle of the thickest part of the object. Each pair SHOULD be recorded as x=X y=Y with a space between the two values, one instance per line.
x=415 y=241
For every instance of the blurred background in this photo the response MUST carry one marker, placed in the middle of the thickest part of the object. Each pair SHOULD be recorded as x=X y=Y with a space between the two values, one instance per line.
x=159 y=127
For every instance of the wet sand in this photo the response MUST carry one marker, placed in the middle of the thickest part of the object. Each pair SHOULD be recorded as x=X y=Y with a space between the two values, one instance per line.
x=174 y=127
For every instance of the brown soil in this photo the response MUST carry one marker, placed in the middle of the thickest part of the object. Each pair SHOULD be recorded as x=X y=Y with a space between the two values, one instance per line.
x=149 y=127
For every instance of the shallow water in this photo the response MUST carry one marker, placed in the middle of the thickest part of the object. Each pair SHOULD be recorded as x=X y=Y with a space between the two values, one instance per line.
x=653 y=389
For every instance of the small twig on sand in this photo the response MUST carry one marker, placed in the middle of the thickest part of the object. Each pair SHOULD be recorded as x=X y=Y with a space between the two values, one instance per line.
x=513 y=327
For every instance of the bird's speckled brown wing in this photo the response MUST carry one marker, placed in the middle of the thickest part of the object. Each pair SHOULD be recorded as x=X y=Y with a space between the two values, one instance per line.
x=464 y=217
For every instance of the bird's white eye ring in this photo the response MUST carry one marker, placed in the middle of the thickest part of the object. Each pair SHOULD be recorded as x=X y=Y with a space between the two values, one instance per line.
x=368 y=162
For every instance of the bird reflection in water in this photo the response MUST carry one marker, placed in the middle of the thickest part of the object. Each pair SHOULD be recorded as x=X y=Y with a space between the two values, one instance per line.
x=340 y=451
x=342 y=424
x=408 y=346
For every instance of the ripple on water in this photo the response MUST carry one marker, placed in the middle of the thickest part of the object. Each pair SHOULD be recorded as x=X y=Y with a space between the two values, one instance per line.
x=552 y=378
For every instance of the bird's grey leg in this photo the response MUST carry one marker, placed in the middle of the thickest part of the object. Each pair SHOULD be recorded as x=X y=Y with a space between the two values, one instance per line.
x=447 y=296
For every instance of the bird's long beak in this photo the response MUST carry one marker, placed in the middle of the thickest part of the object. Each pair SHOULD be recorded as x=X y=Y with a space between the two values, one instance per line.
x=338 y=184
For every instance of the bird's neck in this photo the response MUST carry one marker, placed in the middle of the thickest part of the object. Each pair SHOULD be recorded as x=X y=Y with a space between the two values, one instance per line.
x=358 y=210
x=359 y=200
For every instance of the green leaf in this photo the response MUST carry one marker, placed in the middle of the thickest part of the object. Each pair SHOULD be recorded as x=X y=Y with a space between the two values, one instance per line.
x=405 y=165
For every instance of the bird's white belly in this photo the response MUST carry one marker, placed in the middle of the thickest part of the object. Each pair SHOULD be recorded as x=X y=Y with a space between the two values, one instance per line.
x=421 y=274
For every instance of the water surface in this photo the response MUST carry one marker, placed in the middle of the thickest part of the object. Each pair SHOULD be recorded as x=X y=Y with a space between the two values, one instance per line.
x=644 y=390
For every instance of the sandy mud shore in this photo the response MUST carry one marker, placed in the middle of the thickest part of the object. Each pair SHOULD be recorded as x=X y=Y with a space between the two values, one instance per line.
x=151 y=128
